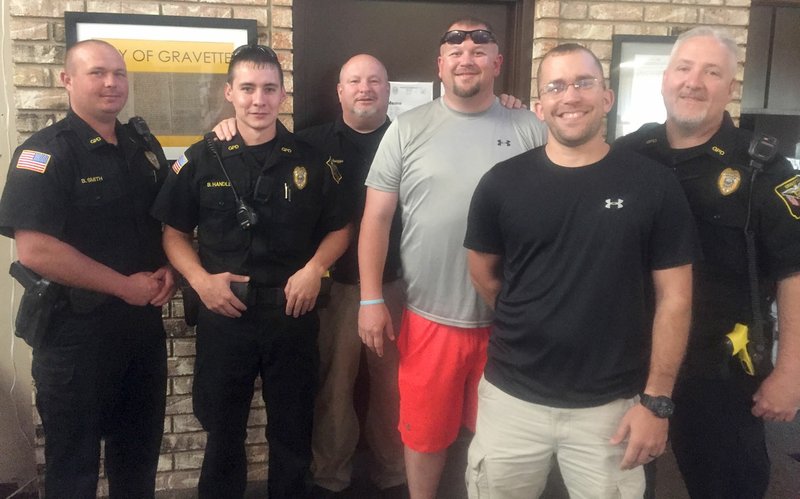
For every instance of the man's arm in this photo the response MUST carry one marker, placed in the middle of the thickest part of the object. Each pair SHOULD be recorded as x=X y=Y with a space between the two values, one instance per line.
x=303 y=286
x=213 y=289
x=373 y=244
x=647 y=433
x=485 y=272
x=64 y=264
x=778 y=397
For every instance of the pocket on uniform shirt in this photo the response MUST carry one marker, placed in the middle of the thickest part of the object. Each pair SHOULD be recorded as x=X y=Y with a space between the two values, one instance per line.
x=219 y=229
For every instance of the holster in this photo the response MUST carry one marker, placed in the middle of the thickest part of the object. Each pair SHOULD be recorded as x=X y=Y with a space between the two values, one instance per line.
x=39 y=301
x=191 y=305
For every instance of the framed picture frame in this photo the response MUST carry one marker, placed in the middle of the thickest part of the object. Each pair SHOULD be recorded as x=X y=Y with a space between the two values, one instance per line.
x=177 y=68
x=637 y=66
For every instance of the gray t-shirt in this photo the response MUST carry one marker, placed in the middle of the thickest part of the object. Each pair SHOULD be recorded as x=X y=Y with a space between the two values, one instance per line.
x=433 y=157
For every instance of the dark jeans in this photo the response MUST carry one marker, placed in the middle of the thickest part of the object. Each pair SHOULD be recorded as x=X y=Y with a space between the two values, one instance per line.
x=102 y=375
x=230 y=354
x=719 y=445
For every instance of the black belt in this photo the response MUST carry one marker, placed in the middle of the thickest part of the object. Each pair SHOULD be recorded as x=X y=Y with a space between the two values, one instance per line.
x=264 y=295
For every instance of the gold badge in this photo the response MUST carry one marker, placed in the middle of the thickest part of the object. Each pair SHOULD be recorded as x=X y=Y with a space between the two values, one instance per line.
x=729 y=181
x=300 y=176
x=151 y=157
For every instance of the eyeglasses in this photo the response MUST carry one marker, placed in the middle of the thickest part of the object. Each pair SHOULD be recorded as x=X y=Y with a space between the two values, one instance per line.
x=479 y=36
x=245 y=50
x=559 y=87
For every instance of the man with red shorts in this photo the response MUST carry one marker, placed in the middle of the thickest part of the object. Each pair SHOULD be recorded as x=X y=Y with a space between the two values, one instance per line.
x=428 y=165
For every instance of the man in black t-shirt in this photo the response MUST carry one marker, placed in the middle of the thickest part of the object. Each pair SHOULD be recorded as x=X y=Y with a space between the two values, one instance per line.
x=563 y=241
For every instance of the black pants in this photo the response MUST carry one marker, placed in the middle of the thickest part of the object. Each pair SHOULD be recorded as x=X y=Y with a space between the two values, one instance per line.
x=719 y=445
x=102 y=375
x=230 y=354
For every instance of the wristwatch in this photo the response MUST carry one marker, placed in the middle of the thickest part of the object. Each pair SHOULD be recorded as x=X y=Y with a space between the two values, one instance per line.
x=662 y=406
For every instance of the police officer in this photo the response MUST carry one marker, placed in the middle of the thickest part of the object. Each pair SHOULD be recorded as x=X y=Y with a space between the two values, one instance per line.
x=268 y=227
x=76 y=202
x=717 y=428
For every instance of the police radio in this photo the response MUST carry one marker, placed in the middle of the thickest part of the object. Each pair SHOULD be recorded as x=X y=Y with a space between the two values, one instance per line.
x=245 y=215
x=762 y=149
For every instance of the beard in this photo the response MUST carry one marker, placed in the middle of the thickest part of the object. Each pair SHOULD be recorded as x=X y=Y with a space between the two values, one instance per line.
x=466 y=92
x=364 y=112
x=684 y=120
x=584 y=136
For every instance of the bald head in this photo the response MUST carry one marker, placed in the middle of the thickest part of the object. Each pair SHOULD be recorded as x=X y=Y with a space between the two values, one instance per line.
x=78 y=52
x=363 y=91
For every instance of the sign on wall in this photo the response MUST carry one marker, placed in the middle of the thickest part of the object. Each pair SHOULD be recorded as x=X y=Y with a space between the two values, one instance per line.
x=176 y=68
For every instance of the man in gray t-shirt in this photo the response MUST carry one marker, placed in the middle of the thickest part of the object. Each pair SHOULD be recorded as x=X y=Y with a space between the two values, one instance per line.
x=430 y=161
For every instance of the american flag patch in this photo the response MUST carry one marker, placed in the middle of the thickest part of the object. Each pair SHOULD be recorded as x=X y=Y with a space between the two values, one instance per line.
x=33 y=160
x=180 y=163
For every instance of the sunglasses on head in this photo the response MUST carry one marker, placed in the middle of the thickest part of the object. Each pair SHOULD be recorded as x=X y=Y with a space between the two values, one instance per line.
x=479 y=36
x=254 y=49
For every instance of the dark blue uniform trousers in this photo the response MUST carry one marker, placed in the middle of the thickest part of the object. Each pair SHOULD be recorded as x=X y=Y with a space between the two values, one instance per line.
x=230 y=354
x=102 y=375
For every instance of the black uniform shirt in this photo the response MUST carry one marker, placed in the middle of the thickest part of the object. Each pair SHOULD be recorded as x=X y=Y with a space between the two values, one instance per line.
x=294 y=195
x=68 y=182
x=350 y=153
x=716 y=179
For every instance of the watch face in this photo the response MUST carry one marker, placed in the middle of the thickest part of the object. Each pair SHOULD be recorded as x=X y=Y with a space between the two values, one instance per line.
x=661 y=406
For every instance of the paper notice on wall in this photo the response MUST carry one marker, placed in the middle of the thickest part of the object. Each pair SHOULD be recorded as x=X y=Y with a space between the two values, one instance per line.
x=405 y=95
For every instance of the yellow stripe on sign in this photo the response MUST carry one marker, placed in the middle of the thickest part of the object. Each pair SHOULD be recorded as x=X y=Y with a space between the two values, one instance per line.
x=165 y=56
x=178 y=140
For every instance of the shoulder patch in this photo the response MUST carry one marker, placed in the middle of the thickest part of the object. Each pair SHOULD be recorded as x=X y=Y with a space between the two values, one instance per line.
x=179 y=164
x=789 y=192
x=332 y=165
x=34 y=161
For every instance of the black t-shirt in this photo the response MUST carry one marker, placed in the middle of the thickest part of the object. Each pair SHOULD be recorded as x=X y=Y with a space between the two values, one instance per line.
x=351 y=154
x=578 y=246
x=716 y=179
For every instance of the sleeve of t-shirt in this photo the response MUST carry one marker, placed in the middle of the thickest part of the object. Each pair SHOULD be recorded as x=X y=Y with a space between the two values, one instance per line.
x=335 y=212
x=176 y=204
x=778 y=228
x=673 y=240
x=37 y=188
x=483 y=227
x=532 y=129
x=387 y=166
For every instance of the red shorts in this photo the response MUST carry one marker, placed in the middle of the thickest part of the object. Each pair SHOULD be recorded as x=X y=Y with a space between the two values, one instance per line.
x=440 y=367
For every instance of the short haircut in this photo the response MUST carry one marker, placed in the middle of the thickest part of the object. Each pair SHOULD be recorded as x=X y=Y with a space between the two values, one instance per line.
x=719 y=35
x=258 y=55
x=68 y=57
x=569 y=48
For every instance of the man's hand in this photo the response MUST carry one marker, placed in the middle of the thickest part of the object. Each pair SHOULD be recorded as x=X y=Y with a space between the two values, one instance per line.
x=215 y=292
x=508 y=101
x=301 y=291
x=373 y=321
x=778 y=398
x=165 y=276
x=140 y=288
x=226 y=129
x=646 y=435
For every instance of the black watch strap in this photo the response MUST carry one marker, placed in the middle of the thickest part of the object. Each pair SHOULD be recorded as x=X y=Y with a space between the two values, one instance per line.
x=662 y=406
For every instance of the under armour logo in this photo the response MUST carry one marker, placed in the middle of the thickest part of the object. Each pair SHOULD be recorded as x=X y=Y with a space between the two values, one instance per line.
x=617 y=204
x=501 y=142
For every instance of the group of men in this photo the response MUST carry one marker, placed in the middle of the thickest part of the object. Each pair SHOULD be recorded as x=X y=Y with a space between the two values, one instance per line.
x=514 y=274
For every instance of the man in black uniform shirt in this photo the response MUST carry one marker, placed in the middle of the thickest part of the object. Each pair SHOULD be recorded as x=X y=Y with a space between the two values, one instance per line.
x=266 y=210
x=350 y=143
x=717 y=429
x=76 y=202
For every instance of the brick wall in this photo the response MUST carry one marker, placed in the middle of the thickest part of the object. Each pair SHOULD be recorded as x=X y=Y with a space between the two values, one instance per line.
x=37 y=38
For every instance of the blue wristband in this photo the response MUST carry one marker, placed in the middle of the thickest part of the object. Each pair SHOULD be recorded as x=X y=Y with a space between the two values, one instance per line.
x=376 y=301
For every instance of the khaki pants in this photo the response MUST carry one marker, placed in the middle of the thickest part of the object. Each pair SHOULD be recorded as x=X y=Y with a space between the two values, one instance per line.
x=336 y=428
x=514 y=443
